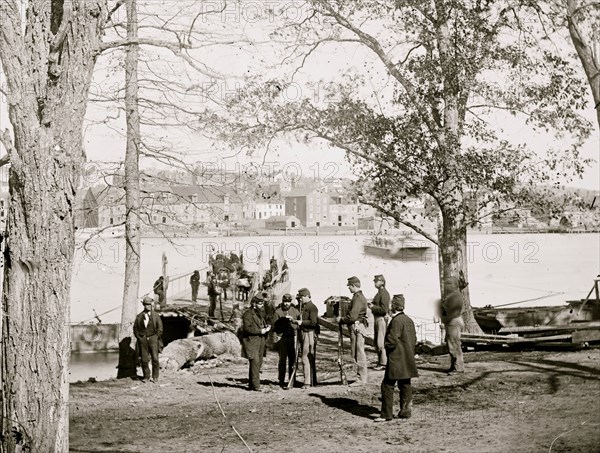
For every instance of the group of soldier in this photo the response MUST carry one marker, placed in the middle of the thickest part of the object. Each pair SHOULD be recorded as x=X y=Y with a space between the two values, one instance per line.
x=296 y=326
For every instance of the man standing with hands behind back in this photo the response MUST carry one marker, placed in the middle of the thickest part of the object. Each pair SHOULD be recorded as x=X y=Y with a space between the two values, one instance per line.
x=400 y=340
x=357 y=323
x=148 y=330
x=380 y=307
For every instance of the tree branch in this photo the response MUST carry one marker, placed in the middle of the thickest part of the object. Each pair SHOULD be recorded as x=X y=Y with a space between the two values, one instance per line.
x=372 y=43
x=397 y=217
x=175 y=48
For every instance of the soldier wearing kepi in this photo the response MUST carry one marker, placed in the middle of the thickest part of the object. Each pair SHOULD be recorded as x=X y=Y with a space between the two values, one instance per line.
x=450 y=314
x=380 y=307
x=284 y=326
x=254 y=332
x=400 y=340
x=356 y=319
x=309 y=329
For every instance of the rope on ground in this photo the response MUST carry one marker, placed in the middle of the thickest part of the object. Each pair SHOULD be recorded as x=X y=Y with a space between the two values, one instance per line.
x=565 y=433
x=225 y=417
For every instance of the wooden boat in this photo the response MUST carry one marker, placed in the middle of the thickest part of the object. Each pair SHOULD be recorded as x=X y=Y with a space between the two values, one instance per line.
x=492 y=320
x=405 y=248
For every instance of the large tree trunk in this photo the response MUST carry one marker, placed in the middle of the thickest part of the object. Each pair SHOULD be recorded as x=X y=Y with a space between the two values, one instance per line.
x=452 y=238
x=48 y=67
x=588 y=55
x=453 y=260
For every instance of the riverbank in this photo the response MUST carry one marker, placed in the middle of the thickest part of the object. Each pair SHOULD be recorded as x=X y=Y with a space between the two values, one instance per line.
x=335 y=231
x=505 y=401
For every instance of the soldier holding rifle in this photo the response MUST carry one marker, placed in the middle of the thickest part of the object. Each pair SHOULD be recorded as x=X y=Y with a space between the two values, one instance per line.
x=357 y=323
x=309 y=330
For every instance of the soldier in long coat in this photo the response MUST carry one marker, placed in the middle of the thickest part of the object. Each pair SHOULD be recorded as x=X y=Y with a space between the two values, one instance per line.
x=254 y=334
x=400 y=340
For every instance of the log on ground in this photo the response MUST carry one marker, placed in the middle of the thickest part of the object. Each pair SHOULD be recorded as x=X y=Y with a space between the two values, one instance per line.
x=181 y=352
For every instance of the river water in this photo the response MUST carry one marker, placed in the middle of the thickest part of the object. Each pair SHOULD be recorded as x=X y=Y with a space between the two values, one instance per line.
x=534 y=269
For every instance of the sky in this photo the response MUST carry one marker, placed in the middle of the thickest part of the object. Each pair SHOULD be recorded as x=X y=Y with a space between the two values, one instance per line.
x=106 y=143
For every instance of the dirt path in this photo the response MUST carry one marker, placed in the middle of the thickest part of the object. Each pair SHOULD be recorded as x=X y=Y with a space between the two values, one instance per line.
x=504 y=402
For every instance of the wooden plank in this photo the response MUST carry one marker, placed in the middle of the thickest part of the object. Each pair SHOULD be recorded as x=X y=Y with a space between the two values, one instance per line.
x=586 y=336
x=486 y=336
x=527 y=329
x=515 y=340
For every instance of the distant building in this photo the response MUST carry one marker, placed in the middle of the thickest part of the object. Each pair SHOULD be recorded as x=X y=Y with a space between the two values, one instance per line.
x=264 y=210
x=309 y=205
x=177 y=206
x=101 y=207
x=282 y=222
x=343 y=211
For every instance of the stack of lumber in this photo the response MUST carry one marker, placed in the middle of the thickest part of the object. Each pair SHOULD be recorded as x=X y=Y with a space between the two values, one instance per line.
x=574 y=333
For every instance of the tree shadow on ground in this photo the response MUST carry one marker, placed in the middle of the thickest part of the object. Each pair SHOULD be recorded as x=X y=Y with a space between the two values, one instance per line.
x=574 y=366
x=443 y=370
x=223 y=385
x=563 y=368
x=348 y=405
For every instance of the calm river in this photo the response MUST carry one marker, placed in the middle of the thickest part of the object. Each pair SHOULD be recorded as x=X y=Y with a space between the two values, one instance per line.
x=540 y=269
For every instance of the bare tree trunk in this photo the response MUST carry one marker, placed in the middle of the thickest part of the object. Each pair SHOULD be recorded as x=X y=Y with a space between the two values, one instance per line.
x=589 y=56
x=132 y=179
x=131 y=285
x=48 y=67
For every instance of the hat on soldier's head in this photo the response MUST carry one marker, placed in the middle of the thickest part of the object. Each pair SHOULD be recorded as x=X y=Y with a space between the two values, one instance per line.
x=398 y=302
x=379 y=278
x=258 y=299
x=354 y=281
x=303 y=292
x=147 y=300
x=286 y=297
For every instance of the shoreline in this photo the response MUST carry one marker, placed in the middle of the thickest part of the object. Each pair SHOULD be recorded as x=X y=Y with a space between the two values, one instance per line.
x=311 y=232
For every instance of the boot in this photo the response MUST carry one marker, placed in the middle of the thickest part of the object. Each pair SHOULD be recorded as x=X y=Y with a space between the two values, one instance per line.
x=452 y=365
x=405 y=402
x=405 y=410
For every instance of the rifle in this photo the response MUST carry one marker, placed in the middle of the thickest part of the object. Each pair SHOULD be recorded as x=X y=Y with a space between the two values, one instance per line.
x=293 y=376
x=340 y=359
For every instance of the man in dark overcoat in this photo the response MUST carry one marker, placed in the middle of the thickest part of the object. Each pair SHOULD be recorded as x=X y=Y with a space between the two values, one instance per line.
x=285 y=327
x=254 y=331
x=400 y=340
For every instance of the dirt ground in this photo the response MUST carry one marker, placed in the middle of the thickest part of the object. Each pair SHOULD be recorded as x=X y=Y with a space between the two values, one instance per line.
x=534 y=401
